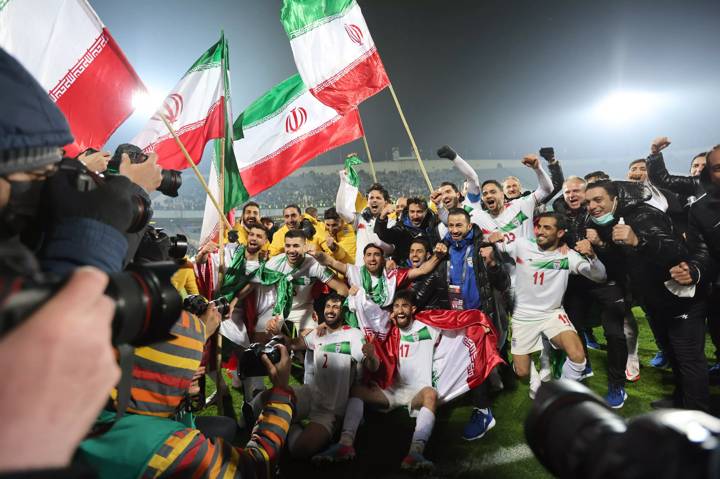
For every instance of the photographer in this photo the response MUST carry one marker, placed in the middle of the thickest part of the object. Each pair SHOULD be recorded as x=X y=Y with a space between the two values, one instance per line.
x=44 y=420
x=294 y=220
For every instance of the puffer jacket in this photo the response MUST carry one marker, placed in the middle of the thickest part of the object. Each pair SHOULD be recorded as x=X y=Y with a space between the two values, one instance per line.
x=402 y=234
x=688 y=188
x=576 y=220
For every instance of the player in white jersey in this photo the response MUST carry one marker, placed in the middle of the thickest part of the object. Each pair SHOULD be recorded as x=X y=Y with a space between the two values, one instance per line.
x=338 y=350
x=412 y=388
x=542 y=272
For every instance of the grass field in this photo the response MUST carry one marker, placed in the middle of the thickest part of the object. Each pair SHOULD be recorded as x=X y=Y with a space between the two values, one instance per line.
x=383 y=439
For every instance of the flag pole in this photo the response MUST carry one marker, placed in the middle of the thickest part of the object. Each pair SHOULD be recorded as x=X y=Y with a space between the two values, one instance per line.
x=412 y=140
x=195 y=169
x=367 y=151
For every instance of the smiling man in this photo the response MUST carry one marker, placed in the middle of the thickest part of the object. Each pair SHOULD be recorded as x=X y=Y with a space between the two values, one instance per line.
x=420 y=222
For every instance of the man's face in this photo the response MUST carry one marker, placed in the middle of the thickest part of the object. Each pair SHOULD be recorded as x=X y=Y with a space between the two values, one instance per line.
x=599 y=202
x=449 y=197
x=374 y=260
x=294 y=250
x=547 y=233
x=574 y=194
x=402 y=313
x=400 y=205
x=256 y=239
x=512 y=188
x=333 y=226
x=697 y=166
x=493 y=198
x=333 y=313
x=637 y=172
x=416 y=213
x=418 y=254
x=458 y=226
x=292 y=218
x=251 y=215
x=376 y=202
x=713 y=166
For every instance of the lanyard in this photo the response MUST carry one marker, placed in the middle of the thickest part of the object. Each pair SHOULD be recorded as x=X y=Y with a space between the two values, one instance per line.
x=464 y=263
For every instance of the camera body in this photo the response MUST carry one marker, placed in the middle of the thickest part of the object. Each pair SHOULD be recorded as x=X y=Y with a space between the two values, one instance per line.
x=250 y=363
x=197 y=305
x=171 y=179
x=307 y=227
x=156 y=245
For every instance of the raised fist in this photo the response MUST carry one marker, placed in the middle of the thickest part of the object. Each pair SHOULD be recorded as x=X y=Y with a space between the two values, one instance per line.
x=659 y=144
x=593 y=237
x=389 y=208
x=440 y=250
x=531 y=161
x=488 y=255
x=447 y=152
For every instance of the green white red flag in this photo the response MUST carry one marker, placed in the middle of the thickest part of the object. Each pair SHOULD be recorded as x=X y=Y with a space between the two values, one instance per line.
x=196 y=110
x=333 y=51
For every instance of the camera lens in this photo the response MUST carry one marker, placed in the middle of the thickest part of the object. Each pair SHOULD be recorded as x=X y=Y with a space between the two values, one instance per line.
x=178 y=246
x=171 y=183
x=142 y=212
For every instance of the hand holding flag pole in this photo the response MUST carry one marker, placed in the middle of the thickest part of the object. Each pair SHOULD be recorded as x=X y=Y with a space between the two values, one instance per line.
x=195 y=169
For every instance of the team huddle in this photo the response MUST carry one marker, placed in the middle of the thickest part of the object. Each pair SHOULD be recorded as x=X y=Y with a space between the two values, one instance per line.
x=415 y=303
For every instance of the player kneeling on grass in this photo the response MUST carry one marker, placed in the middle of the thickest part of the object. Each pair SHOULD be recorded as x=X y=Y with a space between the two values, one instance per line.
x=543 y=267
x=412 y=388
x=338 y=349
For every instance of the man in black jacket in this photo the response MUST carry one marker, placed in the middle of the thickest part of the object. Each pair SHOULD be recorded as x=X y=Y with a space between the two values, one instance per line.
x=431 y=291
x=670 y=272
x=688 y=188
x=418 y=222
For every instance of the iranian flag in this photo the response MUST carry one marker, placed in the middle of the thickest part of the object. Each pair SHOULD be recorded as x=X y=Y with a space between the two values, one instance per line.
x=333 y=50
x=68 y=50
x=195 y=108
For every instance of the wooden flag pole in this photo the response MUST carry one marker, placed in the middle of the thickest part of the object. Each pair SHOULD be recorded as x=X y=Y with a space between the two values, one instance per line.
x=221 y=239
x=195 y=169
x=412 y=140
x=367 y=151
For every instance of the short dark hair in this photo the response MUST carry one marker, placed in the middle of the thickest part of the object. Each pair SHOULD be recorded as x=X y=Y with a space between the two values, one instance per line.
x=459 y=211
x=267 y=218
x=293 y=206
x=491 y=182
x=639 y=160
x=560 y=220
x=373 y=245
x=296 y=234
x=422 y=241
x=416 y=200
x=451 y=185
x=311 y=210
x=335 y=297
x=331 y=214
x=249 y=204
x=699 y=155
x=381 y=189
x=406 y=294
x=260 y=226
x=599 y=174
x=609 y=186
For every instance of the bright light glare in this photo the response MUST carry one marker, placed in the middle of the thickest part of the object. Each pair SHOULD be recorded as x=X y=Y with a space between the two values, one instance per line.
x=621 y=107
x=146 y=103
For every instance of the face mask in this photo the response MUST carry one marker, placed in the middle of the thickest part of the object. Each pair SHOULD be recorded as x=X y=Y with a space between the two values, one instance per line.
x=21 y=208
x=607 y=217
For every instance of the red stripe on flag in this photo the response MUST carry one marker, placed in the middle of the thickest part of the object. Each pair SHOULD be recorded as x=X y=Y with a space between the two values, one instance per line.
x=264 y=174
x=99 y=97
x=194 y=137
x=353 y=85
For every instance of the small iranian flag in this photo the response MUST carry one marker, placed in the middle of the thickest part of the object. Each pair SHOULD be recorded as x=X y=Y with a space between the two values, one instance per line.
x=68 y=50
x=333 y=50
x=196 y=110
x=283 y=130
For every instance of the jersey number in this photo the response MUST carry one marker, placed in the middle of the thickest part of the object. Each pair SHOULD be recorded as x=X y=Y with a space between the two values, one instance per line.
x=564 y=319
x=509 y=237
x=325 y=361
x=539 y=277
x=404 y=350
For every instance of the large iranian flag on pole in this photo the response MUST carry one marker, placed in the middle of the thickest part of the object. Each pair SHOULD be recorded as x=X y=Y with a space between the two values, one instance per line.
x=333 y=50
x=196 y=110
x=68 y=50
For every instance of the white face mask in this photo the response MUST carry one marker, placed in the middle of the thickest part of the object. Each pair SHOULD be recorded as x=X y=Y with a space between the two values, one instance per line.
x=607 y=217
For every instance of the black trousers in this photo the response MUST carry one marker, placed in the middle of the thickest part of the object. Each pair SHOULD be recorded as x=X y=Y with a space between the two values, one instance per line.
x=713 y=320
x=611 y=298
x=681 y=331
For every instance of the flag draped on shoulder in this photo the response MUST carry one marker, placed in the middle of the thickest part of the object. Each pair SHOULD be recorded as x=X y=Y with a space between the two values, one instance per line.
x=283 y=130
x=196 y=110
x=68 y=50
x=333 y=50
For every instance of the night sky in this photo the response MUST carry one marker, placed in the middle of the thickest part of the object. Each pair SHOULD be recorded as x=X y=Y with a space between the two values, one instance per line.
x=496 y=79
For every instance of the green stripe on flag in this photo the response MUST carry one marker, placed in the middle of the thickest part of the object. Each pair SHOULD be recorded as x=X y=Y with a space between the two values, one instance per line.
x=212 y=58
x=351 y=172
x=3 y=3
x=422 y=335
x=301 y=16
x=270 y=104
x=340 y=348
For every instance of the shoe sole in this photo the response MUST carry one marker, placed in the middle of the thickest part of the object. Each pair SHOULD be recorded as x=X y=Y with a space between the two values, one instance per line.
x=489 y=426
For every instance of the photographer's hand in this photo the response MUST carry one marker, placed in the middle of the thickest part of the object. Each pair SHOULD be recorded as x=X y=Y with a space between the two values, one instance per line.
x=68 y=369
x=96 y=162
x=147 y=174
x=211 y=318
x=279 y=373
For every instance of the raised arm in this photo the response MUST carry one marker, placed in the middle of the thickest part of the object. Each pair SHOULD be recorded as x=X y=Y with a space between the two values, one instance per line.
x=545 y=187
x=471 y=176
x=345 y=199
x=327 y=260
x=556 y=173
x=428 y=266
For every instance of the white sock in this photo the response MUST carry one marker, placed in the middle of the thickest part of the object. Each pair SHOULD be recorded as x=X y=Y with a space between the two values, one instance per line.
x=309 y=367
x=545 y=366
x=293 y=435
x=423 y=428
x=572 y=370
x=535 y=380
x=353 y=415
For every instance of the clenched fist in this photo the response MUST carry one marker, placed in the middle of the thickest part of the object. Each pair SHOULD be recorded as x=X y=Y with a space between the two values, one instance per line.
x=624 y=234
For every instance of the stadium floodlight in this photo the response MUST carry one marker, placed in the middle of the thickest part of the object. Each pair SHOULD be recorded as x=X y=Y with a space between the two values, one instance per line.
x=622 y=106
